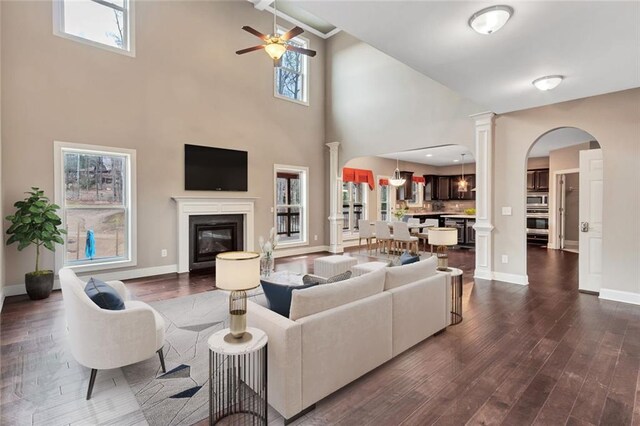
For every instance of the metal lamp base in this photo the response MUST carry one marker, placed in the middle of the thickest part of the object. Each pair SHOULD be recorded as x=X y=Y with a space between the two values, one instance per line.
x=238 y=313
x=443 y=258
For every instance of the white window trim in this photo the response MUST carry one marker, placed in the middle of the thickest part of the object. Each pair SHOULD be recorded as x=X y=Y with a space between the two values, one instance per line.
x=58 y=29
x=350 y=234
x=58 y=171
x=419 y=198
x=391 y=199
x=304 y=231
x=306 y=71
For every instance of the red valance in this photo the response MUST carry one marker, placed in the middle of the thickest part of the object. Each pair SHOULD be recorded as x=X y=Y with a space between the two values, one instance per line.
x=418 y=179
x=358 y=176
x=383 y=182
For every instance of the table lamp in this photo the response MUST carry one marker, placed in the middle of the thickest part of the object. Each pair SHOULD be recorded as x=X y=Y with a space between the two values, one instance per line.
x=443 y=237
x=237 y=271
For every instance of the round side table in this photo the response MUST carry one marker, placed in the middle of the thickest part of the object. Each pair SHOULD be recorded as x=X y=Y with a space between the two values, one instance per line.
x=238 y=377
x=456 y=294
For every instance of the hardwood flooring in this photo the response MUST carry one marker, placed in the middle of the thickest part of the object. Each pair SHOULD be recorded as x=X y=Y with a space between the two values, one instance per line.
x=541 y=354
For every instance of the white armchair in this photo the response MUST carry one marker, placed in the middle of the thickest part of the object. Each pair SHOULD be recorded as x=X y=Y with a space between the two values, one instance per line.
x=103 y=339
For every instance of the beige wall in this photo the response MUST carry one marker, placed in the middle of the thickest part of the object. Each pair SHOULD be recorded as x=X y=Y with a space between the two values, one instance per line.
x=2 y=267
x=566 y=158
x=186 y=85
x=614 y=121
x=376 y=104
x=538 y=163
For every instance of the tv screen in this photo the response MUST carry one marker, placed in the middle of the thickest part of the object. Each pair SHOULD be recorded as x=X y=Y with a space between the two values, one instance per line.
x=214 y=169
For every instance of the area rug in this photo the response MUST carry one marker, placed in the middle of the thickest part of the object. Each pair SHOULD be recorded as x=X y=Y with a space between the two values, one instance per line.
x=181 y=395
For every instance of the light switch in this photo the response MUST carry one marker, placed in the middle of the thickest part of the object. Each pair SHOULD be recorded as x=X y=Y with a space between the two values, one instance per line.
x=506 y=211
x=505 y=258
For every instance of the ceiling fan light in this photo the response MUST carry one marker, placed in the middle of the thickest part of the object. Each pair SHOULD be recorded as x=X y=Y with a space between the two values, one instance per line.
x=548 y=82
x=489 y=20
x=397 y=180
x=275 y=50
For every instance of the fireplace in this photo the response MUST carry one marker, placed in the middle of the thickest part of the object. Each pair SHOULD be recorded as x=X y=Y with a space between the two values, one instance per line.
x=213 y=234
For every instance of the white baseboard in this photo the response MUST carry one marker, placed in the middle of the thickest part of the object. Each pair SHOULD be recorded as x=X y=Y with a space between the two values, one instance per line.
x=620 y=296
x=1 y=299
x=502 y=276
x=298 y=251
x=18 y=289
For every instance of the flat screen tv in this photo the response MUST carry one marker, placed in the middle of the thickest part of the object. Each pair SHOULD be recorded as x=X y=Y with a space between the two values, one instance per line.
x=214 y=169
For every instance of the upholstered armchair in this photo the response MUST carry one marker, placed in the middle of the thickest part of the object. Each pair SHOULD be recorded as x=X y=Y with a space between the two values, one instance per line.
x=103 y=339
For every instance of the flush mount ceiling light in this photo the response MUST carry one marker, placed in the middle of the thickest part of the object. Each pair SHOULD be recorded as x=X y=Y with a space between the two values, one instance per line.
x=397 y=179
x=429 y=155
x=548 y=82
x=491 y=19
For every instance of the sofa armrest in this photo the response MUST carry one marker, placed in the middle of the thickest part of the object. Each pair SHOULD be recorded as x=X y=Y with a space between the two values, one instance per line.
x=121 y=288
x=284 y=358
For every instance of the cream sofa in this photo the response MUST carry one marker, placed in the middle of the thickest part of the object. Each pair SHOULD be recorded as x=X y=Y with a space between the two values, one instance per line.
x=338 y=332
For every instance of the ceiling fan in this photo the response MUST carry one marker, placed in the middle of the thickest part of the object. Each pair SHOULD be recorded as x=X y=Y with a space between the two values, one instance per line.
x=275 y=44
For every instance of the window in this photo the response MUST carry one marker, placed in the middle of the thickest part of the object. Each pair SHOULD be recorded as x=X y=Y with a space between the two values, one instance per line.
x=102 y=23
x=94 y=189
x=385 y=200
x=354 y=205
x=417 y=197
x=291 y=212
x=291 y=77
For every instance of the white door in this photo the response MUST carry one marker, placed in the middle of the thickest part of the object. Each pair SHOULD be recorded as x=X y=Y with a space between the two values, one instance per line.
x=591 y=201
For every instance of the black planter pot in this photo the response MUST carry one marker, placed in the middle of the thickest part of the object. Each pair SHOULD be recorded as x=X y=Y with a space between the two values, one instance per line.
x=39 y=286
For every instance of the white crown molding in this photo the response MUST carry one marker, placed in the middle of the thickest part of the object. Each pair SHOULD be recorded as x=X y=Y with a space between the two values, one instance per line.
x=620 y=296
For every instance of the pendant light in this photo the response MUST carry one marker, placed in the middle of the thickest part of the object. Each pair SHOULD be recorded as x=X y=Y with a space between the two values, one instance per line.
x=463 y=185
x=397 y=180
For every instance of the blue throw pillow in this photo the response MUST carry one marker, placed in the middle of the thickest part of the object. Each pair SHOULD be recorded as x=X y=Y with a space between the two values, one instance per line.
x=408 y=258
x=279 y=295
x=103 y=295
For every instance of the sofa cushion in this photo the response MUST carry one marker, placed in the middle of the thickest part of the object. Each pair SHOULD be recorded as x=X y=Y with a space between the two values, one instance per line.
x=401 y=275
x=340 y=277
x=407 y=258
x=103 y=295
x=321 y=298
x=279 y=295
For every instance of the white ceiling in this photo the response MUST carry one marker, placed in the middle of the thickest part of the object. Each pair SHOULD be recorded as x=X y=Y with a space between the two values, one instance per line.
x=560 y=138
x=594 y=44
x=440 y=156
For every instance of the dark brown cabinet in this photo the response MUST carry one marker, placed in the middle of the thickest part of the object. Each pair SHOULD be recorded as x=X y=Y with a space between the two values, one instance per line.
x=538 y=180
x=430 y=187
x=466 y=195
x=405 y=192
x=444 y=188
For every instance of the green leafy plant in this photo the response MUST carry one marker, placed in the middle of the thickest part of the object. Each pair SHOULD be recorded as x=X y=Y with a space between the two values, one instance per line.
x=400 y=212
x=35 y=222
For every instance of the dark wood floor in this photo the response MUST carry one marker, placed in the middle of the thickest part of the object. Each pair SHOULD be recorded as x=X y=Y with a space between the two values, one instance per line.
x=539 y=354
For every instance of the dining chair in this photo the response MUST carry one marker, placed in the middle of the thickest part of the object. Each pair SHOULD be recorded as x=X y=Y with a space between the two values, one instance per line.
x=383 y=236
x=402 y=237
x=424 y=234
x=366 y=232
x=414 y=221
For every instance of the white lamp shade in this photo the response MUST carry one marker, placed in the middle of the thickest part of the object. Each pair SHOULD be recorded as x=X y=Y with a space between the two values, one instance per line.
x=443 y=236
x=237 y=270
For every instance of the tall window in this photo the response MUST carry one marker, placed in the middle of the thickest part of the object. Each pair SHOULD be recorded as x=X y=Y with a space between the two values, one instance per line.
x=384 y=202
x=291 y=212
x=291 y=77
x=94 y=190
x=354 y=205
x=103 y=23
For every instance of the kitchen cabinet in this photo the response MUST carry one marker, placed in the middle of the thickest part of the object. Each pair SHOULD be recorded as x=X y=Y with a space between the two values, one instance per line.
x=405 y=192
x=467 y=195
x=430 y=187
x=444 y=188
x=538 y=180
x=464 y=226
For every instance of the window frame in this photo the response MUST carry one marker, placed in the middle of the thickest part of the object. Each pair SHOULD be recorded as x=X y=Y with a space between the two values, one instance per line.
x=391 y=199
x=418 y=190
x=128 y=13
x=305 y=73
x=304 y=203
x=130 y=190
x=351 y=231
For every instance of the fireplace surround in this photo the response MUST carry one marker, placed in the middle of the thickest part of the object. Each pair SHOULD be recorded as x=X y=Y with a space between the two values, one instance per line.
x=187 y=207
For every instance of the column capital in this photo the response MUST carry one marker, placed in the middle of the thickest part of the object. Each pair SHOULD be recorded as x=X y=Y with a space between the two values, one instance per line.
x=483 y=117
x=333 y=145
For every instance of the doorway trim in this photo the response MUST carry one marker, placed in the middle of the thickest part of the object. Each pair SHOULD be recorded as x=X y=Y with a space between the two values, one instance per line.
x=554 y=201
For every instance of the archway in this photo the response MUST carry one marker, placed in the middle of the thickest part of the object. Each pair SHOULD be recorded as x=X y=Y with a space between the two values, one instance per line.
x=554 y=207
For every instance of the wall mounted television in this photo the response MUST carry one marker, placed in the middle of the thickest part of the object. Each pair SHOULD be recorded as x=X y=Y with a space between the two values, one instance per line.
x=214 y=169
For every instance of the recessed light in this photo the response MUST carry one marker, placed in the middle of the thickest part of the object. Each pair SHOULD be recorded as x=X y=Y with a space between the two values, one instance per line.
x=547 y=82
x=429 y=155
x=455 y=161
x=491 y=19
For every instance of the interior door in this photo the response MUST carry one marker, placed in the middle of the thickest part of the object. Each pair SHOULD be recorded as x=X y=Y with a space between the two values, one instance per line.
x=591 y=202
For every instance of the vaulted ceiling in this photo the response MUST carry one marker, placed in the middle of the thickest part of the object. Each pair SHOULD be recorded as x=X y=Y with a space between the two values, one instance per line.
x=595 y=45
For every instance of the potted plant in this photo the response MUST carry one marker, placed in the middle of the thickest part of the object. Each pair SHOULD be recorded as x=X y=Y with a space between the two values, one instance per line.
x=36 y=222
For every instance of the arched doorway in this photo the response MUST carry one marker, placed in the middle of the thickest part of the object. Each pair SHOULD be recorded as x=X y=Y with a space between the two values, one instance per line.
x=564 y=186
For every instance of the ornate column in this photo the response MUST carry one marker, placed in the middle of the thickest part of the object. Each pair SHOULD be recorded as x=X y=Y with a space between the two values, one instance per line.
x=484 y=195
x=335 y=193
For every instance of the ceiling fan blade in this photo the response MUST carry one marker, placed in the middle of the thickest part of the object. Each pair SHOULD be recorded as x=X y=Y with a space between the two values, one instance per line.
x=255 y=33
x=293 y=32
x=307 y=52
x=249 y=49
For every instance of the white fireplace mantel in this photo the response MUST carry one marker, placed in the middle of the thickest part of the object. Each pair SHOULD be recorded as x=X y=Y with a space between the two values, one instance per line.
x=202 y=205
